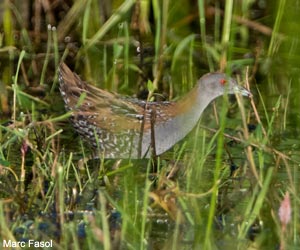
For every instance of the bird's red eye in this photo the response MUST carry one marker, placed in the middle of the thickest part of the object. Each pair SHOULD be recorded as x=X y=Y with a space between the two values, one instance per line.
x=223 y=81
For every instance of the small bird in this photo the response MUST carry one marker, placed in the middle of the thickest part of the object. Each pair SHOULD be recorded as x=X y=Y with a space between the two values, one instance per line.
x=122 y=127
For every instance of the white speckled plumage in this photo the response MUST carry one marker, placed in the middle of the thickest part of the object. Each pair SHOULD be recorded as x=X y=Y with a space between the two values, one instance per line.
x=121 y=127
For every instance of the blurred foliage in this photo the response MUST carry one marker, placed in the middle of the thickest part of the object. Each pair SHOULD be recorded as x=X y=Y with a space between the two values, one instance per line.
x=137 y=47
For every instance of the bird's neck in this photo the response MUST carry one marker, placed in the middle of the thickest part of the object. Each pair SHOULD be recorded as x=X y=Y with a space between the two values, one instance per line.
x=188 y=111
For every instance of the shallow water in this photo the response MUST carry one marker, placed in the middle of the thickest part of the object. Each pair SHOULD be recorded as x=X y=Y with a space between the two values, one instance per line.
x=73 y=202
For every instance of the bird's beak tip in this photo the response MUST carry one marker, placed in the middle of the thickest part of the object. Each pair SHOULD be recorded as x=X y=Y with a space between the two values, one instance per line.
x=243 y=91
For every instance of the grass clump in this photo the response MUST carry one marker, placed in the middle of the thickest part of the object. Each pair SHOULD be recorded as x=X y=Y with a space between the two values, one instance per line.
x=222 y=187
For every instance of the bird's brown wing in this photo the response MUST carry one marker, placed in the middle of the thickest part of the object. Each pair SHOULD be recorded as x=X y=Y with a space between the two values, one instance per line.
x=100 y=108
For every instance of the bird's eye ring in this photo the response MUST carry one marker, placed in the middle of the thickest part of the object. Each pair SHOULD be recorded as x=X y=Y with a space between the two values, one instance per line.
x=223 y=81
